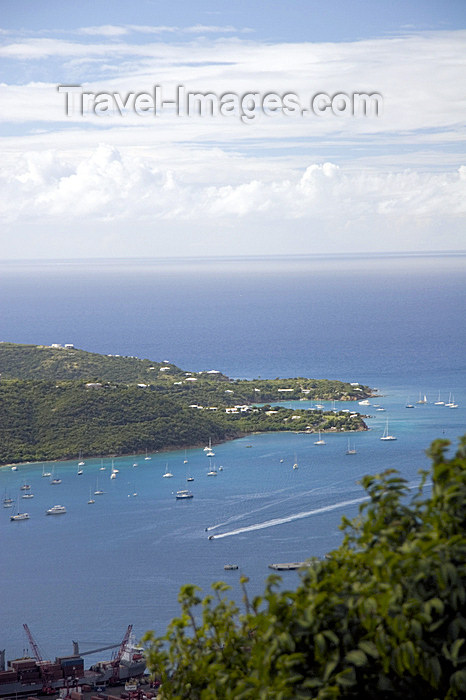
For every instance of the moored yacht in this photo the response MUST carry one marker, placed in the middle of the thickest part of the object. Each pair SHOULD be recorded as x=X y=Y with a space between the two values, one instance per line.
x=20 y=516
x=386 y=435
x=55 y=510
x=183 y=495
x=167 y=474
x=320 y=441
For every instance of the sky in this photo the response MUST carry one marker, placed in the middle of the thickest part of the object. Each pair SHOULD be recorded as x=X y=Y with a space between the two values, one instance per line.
x=287 y=163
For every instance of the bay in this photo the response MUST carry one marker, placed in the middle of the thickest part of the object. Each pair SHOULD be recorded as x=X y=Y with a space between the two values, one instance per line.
x=397 y=324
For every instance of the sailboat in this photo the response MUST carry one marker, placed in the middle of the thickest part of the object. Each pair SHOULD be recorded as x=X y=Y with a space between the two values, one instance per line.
x=102 y=468
x=320 y=441
x=423 y=400
x=54 y=480
x=44 y=473
x=295 y=465
x=350 y=450
x=97 y=492
x=80 y=463
x=167 y=474
x=451 y=402
x=114 y=471
x=91 y=500
x=210 y=452
x=439 y=402
x=20 y=516
x=212 y=471
x=7 y=501
x=408 y=404
x=185 y=461
x=147 y=456
x=386 y=435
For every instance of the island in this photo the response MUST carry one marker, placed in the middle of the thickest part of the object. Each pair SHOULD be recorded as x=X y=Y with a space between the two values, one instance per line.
x=57 y=402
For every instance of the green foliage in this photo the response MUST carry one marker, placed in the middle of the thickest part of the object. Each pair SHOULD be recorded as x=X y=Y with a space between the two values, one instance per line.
x=204 y=388
x=42 y=420
x=48 y=412
x=384 y=616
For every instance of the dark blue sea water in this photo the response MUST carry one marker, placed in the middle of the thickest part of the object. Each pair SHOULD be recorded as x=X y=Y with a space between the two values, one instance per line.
x=397 y=324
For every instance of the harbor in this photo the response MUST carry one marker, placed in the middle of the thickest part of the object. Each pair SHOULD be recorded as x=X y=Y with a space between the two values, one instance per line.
x=31 y=675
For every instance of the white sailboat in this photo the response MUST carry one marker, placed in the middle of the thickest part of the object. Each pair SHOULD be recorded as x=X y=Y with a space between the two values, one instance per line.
x=147 y=456
x=422 y=400
x=20 y=516
x=44 y=473
x=91 y=500
x=208 y=450
x=350 y=450
x=439 y=402
x=320 y=441
x=451 y=402
x=97 y=492
x=212 y=471
x=7 y=501
x=167 y=474
x=54 y=479
x=386 y=435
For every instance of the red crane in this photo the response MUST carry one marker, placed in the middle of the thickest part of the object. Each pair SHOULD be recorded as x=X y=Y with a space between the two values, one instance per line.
x=116 y=661
x=42 y=666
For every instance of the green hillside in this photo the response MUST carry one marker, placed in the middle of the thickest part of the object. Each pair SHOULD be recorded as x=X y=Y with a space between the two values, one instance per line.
x=42 y=420
x=205 y=388
x=44 y=362
x=58 y=402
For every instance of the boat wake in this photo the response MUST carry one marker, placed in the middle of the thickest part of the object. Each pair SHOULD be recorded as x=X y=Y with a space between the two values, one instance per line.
x=288 y=518
x=241 y=516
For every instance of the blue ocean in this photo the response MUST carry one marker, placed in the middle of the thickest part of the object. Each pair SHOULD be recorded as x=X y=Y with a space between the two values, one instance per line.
x=395 y=323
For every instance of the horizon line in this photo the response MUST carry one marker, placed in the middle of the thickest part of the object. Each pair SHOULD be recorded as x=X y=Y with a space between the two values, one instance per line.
x=293 y=257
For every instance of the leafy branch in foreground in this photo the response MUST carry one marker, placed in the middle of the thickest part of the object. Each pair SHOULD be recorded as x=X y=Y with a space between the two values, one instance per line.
x=383 y=617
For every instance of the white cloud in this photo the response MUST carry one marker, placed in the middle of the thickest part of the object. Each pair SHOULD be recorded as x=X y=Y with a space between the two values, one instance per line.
x=308 y=184
x=108 y=185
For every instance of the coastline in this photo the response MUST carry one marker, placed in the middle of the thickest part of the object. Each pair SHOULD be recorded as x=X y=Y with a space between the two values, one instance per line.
x=183 y=447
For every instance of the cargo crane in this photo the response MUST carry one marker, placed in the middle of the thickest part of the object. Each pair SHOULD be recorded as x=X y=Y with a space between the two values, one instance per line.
x=116 y=661
x=43 y=665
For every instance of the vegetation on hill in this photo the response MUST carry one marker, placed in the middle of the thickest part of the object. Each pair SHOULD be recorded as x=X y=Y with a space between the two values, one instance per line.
x=209 y=388
x=58 y=402
x=383 y=617
x=42 y=420
x=58 y=363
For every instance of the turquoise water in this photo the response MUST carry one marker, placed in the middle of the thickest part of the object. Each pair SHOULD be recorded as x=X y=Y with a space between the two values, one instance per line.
x=89 y=573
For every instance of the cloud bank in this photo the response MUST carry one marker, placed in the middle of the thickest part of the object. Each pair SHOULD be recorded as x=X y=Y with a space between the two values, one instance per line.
x=131 y=185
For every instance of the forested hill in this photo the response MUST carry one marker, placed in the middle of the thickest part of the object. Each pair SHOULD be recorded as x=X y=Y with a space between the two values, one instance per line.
x=56 y=402
x=63 y=363
x=210 y=387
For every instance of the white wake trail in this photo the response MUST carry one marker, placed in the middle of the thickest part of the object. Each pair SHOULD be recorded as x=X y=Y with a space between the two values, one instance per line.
x=288 y=518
